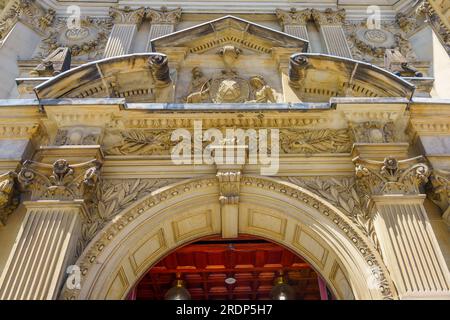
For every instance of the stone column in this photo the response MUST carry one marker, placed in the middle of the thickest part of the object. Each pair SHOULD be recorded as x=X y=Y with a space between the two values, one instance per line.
x=163 y=22
x=229 y=182
x=330 y=24
x=47 y=240
x=294 y=22
x=126 y=22
x=407 y=241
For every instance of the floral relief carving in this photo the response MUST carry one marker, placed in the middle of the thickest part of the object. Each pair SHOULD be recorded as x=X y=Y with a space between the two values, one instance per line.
x=28 y=12
x=138 y=142
x=343 y=194
x=88 y=41
x=164 y=16
x=391 y=176
x=60 y=181
x=112 y=197
x=374 y=131
x=127 y=15
x=371 y=44
x=293 y=16
x=315 y=141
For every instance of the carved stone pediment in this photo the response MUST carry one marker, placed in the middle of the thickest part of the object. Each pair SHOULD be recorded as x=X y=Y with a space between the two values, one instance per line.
x=229 y=30
x=318 y=77
x=135 y=77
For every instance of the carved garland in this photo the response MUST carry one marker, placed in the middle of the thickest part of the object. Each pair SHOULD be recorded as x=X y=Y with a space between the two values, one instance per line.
x=370 y=255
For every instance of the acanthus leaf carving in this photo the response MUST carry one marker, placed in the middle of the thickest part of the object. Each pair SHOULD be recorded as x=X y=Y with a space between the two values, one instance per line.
x=343 y=194
x=329 y=16
x=293 y=16
x=164 y=15
x=127 y=15
x=229 y=184
x=60 y=181
x=391 y=176
x=30 y=13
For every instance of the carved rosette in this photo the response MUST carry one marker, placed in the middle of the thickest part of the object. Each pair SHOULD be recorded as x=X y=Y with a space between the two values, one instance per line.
x=229 y=184
x=329 y=16
x=293 y=17
x=391 y=176
x=127 y=15
x=164 y=16
x=8 y=195
x=60 y=181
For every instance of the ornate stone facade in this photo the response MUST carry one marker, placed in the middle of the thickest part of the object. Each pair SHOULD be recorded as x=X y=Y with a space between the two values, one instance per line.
x=348 y=115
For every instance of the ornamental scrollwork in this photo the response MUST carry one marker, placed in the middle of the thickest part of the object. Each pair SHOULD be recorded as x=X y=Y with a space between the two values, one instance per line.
x=439 y=188
x=60 y=180
x=391 y=176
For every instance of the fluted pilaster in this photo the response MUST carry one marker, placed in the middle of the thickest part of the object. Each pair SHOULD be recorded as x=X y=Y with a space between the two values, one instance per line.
x=407 y=241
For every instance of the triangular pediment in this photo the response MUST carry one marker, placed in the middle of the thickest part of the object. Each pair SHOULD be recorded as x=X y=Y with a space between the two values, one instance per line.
x=229 y=30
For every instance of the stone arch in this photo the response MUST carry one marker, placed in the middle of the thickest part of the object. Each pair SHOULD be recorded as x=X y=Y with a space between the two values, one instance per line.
x=279 y=211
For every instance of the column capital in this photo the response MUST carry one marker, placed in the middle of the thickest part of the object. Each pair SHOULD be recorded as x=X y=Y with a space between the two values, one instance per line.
x=329 y=16
x=293 y=17
x=391 y=176
x=229 y=183
x=164 y=15
x=60 y=180
x=127 y=15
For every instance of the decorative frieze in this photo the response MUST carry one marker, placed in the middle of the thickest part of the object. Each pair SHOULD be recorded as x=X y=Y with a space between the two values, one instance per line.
x=391 y=176
x=78 y=136
x=60 y=181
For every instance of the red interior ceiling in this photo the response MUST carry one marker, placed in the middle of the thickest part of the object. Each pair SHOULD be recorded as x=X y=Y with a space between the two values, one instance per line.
x=205 y=266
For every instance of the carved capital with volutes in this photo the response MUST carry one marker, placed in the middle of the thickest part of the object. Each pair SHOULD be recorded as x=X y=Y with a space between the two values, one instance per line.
x=229 y=184
x=8 y=193
x=164 y=16
x=60 y=180
x=329 y=16
x=293 y=17
x=391 y=176
x=127 y=15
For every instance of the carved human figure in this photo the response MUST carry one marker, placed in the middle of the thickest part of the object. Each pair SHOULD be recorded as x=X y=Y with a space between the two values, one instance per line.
x=199 y=87
x=263 y=93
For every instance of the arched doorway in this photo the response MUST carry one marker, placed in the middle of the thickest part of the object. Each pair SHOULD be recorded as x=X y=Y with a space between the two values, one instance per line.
x=231 y=269
x=280 y=212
